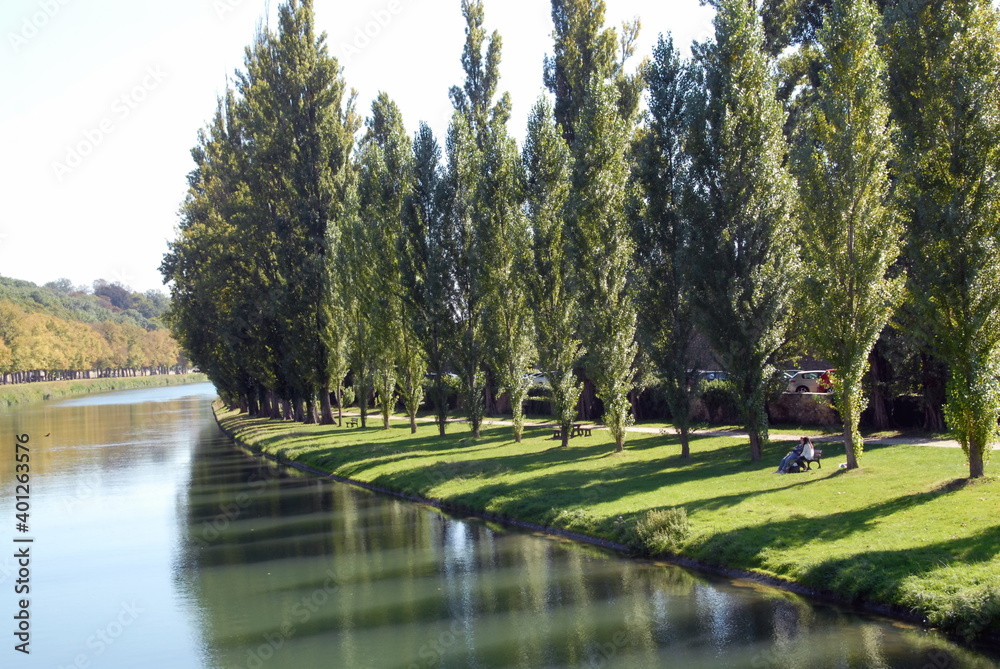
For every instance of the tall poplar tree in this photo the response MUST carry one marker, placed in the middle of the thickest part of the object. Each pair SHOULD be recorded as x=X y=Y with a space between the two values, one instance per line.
x=945 y=89
x=300 y=125
x=426 y=267
x=584 y=48
x=742 y=200
x=851 y=231
x=553 y=298
x=384 y=182
x=661 y=233
x=482 y=202
x=604 y=251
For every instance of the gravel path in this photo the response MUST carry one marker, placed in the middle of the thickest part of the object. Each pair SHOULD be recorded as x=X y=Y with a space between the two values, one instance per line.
x=734 y=434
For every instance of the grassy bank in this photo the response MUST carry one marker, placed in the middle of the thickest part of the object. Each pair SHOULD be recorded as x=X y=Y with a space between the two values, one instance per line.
x=904 y=531
x=54 y=390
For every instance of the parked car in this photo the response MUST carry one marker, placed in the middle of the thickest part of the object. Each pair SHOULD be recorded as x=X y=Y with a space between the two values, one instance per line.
x=538 y=378
x=812 y=381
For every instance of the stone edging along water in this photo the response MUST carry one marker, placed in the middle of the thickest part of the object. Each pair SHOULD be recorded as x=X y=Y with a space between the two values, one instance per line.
x=870 y=607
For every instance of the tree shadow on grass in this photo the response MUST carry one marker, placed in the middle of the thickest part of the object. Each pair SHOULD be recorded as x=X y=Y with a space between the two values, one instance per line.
x=567 y=488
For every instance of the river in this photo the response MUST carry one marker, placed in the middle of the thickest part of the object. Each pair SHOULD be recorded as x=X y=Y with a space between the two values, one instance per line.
x=155 y=542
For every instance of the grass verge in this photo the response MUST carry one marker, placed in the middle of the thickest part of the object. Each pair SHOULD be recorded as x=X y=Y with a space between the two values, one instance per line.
x=55 y=390
x=906 y=531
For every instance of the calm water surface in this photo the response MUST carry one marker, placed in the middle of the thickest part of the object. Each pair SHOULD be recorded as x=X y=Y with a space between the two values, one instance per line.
x=160 y=544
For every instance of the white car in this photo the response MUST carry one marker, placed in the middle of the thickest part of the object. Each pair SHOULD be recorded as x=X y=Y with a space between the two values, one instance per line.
x=813 y=381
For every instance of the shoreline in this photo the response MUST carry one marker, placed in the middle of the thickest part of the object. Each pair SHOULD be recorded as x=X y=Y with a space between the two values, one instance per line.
x=988 y=640
x=42 y=391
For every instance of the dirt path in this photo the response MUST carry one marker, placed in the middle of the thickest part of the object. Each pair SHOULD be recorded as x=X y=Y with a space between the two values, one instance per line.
x=733 y=434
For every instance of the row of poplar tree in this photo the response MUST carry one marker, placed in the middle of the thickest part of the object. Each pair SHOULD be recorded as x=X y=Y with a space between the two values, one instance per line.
x=803 y=175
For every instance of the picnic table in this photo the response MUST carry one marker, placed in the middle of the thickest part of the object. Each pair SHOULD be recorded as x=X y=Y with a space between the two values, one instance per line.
x=577 y=430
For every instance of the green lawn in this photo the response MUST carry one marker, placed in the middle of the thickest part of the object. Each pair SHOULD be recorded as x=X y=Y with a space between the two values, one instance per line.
x=905 y=530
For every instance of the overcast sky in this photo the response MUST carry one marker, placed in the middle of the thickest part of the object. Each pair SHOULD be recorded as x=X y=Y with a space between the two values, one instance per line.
x=102 y=100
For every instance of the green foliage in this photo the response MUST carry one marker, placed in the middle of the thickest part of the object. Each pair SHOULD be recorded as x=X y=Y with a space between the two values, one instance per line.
x=553 y=300
x=945 y=85
x=425 y=272
x=585 y=52
x=489 y=238
x=252 y=268
x=741 y=200
x=660 y=229
x=851 y=231
x=348 y=396
x=661 y=531
x=604 y=252
x=385 y=174
x=60 y=299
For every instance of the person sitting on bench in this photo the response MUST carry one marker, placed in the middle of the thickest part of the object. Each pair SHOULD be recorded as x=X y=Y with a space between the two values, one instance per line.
x=808 y=453
x=794 y=456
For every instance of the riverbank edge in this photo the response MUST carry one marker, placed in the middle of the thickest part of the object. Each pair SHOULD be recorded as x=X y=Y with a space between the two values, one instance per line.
x=870 y=607
x=23 y=393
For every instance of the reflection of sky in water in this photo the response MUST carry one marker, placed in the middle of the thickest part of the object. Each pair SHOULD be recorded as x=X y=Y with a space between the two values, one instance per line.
x=161 y=394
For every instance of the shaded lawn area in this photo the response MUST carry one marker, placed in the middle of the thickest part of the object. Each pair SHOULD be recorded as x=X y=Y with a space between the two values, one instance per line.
x=905 y=530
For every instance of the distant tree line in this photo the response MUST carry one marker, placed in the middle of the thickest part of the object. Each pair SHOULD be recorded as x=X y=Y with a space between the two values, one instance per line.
x=59 y=332
x=103 y=301
x=820 y=177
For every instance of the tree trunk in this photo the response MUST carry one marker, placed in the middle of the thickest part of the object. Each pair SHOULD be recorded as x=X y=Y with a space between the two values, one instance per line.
x=933 y=386
x=311 y=416
x=327 y=416
x=977 y=463
x=286 y=409
x=441 y=402
x=848 y=411
x=340 y=406
x=879 y=378
x=685 y=441
x=756 y=451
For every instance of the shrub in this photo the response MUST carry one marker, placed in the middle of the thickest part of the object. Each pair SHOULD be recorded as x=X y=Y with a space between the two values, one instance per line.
x=347 y=397
x=717 y=402
x=661 y=531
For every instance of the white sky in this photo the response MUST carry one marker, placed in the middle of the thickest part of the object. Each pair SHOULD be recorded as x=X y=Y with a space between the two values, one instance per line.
x=130 y=83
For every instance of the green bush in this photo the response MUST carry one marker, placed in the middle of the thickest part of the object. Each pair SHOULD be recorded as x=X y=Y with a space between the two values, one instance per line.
x=719 y=402
x=347 y=397
x=661 y=531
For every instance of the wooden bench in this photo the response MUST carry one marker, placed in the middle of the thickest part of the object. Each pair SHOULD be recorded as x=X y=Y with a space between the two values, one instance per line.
x=557 y=433
x=817 y=455
x=352 y=422
x=580 y=431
